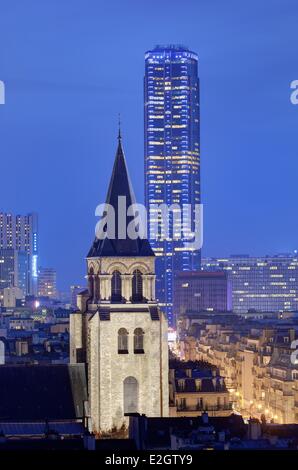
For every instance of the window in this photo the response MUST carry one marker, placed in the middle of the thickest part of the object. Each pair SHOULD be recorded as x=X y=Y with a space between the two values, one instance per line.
x=181 y=385
x=198 y=385
x=182 y=404
x=138 y=341
x=96 y=288
x=130 y=395
x=90 y=283
x=116 y=287
x=122 y=341
x=200 y=404
x=137 y=286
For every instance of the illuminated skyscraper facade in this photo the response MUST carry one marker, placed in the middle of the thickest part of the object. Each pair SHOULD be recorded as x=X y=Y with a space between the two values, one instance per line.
x=20 y=233
x=14 y=270
x=47 y=283
x=172 y=157
x=263 y=284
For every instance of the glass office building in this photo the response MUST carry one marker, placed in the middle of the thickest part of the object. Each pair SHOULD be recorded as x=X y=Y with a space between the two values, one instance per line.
x=7 y=268
x=172 y=159
x=263 y=284
x=14 y=270
x=47 y=283
x=20 y=233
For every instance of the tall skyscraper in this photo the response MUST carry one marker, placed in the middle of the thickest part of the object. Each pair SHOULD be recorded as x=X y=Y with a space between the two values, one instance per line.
x=20 y=233
x=7 y=268
x=172 y=156
x=14 y=270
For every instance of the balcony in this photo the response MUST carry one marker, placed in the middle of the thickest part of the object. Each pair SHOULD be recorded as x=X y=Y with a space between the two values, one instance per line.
x=208 y=408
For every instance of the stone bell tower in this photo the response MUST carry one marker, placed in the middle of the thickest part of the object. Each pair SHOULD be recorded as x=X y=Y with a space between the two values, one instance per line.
x=119 y=331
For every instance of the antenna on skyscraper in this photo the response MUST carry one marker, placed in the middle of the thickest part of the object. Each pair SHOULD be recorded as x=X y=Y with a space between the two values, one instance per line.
x=119 y=127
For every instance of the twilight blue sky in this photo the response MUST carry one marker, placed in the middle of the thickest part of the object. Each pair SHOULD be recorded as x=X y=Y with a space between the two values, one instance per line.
x=71 y=65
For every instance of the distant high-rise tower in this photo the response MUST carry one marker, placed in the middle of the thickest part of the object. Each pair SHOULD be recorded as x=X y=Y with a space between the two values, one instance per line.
x=47 y=282
x=172 y=155
x=20 y=233
x=14 y=270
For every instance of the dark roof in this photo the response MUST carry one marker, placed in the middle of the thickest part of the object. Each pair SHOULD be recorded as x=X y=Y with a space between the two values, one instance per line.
x=41 y=445
x=41 y=428
x=193 y=365
x=106 y=310
x=208 y=384
x=115 y=444
x=158 y=430
x=195 y=373
x=282 y=430
x=42 y=392
x=120 y=185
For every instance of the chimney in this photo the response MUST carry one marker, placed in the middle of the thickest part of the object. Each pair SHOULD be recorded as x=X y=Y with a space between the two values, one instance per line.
x=254 y=429
x=205 y=417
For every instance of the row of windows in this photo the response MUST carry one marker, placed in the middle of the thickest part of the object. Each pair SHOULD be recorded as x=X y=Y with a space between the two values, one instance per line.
x=138 y=341
x=116 y=286
x=137 y=286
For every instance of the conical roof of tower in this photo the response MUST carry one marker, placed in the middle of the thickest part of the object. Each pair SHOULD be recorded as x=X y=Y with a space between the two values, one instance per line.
x=120 y=185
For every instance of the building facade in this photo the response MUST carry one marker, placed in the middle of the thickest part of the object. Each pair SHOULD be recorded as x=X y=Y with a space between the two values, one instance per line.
x=258 y=359
x=196 y=389
x=14 y=270
x=11 y=296
x=47 y=282
x=119 y=330
x=201 y=290
x=263 y=284
x=7 y=267
x=20 y=233
x=172 y=159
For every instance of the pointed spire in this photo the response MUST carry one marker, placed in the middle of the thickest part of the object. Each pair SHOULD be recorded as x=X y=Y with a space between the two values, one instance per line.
x=120 y=185
x=119 y=128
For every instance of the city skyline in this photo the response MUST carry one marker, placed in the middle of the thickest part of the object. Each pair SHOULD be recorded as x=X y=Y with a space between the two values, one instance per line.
x=69 y=106
x=148 y=233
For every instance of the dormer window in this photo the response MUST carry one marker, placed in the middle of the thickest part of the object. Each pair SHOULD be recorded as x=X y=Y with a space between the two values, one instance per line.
x=181 y=385
x=198 y=385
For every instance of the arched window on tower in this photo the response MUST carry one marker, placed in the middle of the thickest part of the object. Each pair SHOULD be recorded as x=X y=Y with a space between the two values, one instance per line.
x=138 y=341
x=96 y=287
x=90 y=283
x=130 y=395
x=116 y=287
x=137 y=286
x=122 y=341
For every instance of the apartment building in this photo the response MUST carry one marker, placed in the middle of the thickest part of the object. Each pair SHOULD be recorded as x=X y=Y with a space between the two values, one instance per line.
x=254 y=357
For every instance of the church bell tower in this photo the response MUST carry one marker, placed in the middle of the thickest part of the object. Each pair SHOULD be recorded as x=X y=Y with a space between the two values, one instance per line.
x=119 y=330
